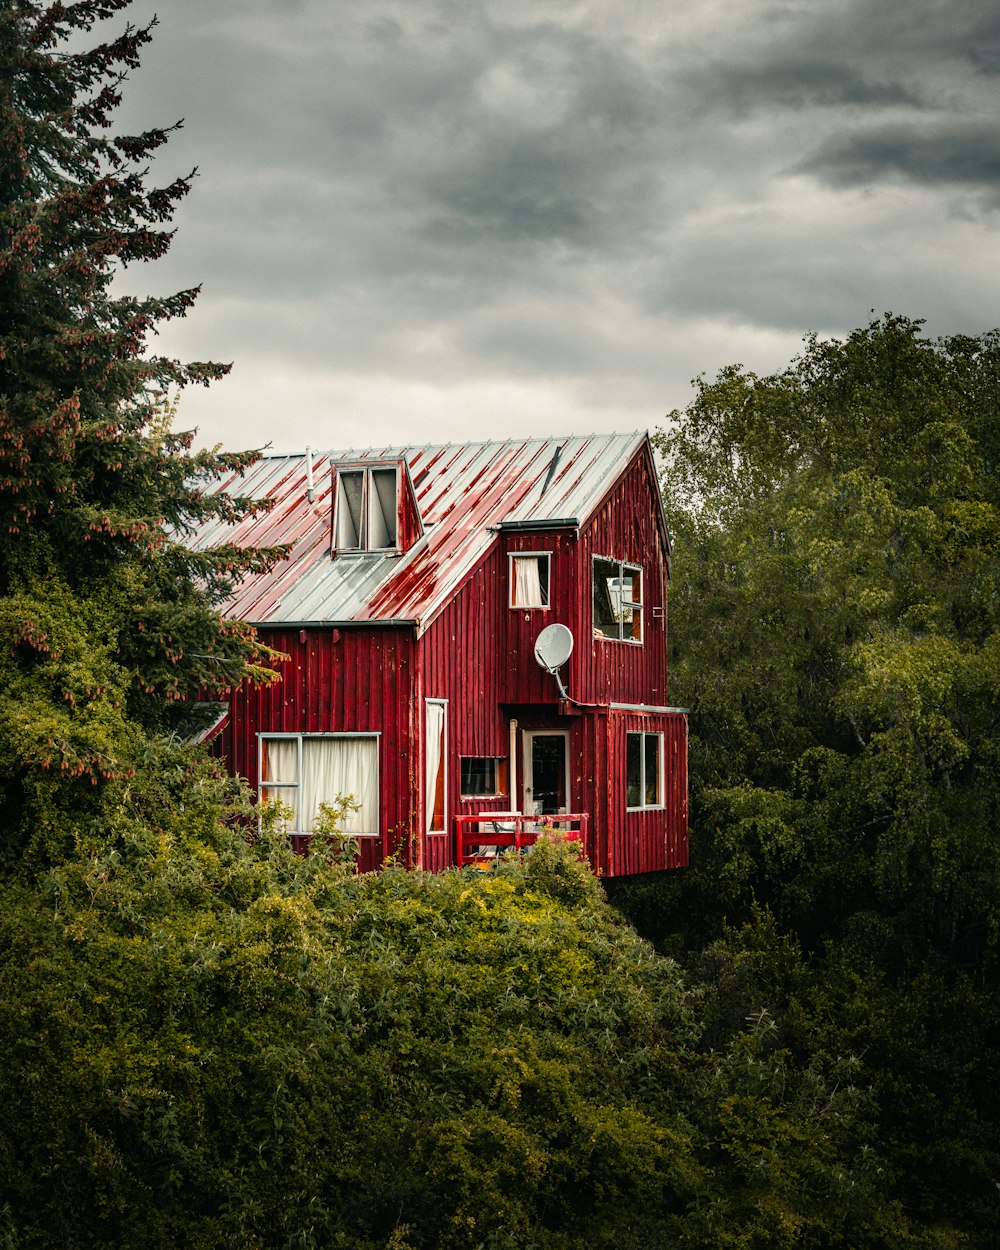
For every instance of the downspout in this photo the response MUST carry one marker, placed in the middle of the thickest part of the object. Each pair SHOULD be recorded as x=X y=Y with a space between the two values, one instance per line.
x=418 y=781
x=514 y=805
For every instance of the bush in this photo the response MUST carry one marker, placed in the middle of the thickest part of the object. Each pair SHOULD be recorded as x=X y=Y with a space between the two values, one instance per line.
x=215 y=1043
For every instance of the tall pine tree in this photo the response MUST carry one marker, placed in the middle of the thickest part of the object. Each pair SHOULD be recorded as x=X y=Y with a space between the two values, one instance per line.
x=107 y=622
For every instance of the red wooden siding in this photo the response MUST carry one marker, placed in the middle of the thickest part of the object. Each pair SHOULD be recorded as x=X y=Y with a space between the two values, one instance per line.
x=479 y=655
x=459 y=662
x=600 y=670
x=626 y=528
x=338 y=680
x=651 y=840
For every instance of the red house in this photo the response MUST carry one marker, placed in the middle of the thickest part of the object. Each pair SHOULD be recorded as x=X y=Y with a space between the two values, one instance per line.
x=418 y=581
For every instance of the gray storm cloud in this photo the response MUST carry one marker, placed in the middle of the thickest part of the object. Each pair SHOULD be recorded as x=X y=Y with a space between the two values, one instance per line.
x=554 y=215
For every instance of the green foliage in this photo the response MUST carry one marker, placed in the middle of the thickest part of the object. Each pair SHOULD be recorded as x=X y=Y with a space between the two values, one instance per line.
x=107 y=621
x=211 y=1042
x=924 y=1047
x=835 y=622
x=834 y=626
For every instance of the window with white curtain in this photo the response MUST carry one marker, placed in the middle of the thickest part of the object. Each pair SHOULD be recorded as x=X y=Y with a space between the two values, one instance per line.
x=366 y=509
x=305 y=770
x=435 y=774
x=529 y=579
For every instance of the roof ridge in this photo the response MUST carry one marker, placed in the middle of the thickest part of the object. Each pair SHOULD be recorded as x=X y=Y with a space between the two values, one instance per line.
x=343 y=453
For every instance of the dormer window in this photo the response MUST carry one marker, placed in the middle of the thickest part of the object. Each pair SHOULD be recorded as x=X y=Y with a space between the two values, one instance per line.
x=367 y=509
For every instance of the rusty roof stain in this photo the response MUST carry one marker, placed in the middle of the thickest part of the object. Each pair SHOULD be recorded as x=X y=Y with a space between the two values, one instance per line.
x=466 y=492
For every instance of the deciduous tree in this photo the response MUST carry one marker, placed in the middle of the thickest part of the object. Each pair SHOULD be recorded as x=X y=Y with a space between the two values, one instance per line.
x=835 y=626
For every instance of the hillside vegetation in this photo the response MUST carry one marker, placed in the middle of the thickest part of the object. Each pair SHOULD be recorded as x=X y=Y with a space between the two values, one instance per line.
x=208 y=1042
x=834 y=622
x=214 y=1043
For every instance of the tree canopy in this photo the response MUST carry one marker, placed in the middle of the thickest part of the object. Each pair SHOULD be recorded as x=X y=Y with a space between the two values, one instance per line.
x=214 y=1043
x=107 y=620
x=834 y=626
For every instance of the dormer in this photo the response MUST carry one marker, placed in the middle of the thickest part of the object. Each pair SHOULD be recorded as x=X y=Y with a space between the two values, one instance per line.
x=374 y=508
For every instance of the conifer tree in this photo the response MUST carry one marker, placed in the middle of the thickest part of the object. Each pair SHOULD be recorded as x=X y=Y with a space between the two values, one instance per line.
x=107 y=622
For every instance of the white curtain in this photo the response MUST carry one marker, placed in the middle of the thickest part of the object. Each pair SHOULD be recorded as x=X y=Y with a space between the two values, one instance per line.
x=280 y=773
x=527 y=582
x=359 y=777
x=334 y=768
x=435 y=760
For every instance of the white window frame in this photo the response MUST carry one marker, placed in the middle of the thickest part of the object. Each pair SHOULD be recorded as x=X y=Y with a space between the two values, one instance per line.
x=635 y=605
x=263 y=785
x=529 y=555
x=432 y=833
x=528 y=772
x=661 y=779
x=367 y=487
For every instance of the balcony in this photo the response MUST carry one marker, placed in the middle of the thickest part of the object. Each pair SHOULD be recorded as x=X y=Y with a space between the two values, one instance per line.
x=481 y=838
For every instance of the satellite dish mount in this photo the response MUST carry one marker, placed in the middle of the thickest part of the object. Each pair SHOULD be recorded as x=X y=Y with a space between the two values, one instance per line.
x=553 y=647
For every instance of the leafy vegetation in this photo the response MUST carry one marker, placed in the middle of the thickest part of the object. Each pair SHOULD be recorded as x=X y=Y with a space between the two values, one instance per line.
x=213 y=1043
x=210 y=1042
x=836 y=609
x=834 y=616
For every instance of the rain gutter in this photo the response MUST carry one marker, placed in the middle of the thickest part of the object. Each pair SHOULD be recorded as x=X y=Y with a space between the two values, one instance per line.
x=394 y=621
x=557 y=523
x=646 y=707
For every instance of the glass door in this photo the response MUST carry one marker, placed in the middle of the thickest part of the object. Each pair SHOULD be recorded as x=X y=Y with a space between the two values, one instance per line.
x=546 y=772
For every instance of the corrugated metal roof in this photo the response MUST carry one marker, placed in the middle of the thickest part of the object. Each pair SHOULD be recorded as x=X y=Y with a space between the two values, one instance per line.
x=465 y=492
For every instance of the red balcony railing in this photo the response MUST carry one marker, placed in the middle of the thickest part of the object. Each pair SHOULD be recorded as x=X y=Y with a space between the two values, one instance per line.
x=482 y=837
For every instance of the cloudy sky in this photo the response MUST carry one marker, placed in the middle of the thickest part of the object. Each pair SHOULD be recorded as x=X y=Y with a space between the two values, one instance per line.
x=432 y=220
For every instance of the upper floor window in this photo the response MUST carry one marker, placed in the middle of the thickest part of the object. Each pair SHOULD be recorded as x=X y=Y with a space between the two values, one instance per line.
x=617 y=600
x=366 y=509
x=529 y=579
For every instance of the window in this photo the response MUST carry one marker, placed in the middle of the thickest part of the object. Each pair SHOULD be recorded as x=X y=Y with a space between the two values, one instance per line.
x=643 y=771
x=366 y=510
x=529 y=580
x=436 y=773
x=305 y=770
x=617 y=600
x=482 y=775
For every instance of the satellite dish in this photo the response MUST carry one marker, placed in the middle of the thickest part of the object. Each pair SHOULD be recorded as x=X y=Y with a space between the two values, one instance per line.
x=553 y=647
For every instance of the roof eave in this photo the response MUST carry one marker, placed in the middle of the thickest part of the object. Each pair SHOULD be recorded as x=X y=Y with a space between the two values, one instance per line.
x=395 y=622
